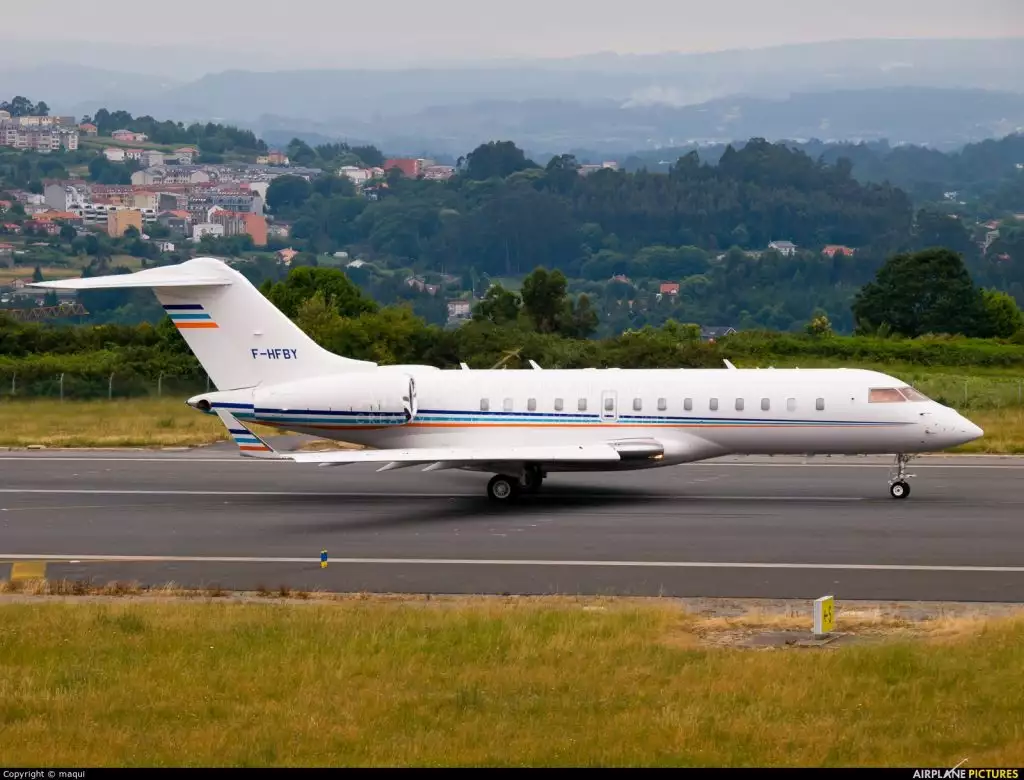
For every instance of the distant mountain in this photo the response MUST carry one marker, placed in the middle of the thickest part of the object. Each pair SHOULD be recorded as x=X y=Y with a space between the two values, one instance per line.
x=66 y=87
x=942 y=92
x=942 y=118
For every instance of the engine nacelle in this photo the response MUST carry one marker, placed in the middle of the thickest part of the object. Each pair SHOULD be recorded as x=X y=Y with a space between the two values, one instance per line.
x=387 y=394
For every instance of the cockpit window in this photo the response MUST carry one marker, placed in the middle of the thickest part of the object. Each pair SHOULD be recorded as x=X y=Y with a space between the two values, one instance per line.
x=885 y=395
x=913 y=395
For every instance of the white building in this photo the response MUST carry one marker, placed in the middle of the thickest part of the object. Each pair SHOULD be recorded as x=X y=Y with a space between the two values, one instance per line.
x=786 y=248
x=164 y=246
x=114 y=154
x=151 y=158
x=64 y=197
x=206 y=229
x=355 y=175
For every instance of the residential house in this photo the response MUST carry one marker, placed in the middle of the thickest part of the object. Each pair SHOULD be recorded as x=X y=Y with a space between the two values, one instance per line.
x=177 y=222
x=621 y=278
x=241 y=223
x=62 y=196
x=277 y=158
x=716 y=332
x=354 y=174
x=134 y=154
x=12 y=228
x=88 y=128
x=832 y=249
x=164 y=246
x=119 y=220
x=151 y=158
x=410 y=167
x=416 y=282
x=669 y=288
x=438 y=172
x=279 y=230
x=114 y=154
x=48 y=138
x=287 y=255
x=186 y=154
x=990 y=238
x=129 y=136
x=170 y=174
x=587 y=169
x=460 y=309
x=786 y=248
x=42 y=226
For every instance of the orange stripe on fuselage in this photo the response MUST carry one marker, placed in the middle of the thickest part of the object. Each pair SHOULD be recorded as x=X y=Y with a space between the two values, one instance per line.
x=182 y=325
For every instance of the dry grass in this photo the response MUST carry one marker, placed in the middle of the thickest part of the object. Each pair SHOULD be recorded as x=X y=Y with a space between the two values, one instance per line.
x=143 y=422
x=50 y=273
x=472 y=682
x=1004 y=431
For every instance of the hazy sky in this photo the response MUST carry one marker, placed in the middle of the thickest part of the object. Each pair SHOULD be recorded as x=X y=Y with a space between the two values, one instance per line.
x=344 y=32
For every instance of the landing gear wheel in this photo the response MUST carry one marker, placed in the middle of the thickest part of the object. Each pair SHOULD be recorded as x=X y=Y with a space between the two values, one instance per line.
x=898 y=486
x=899 y=489
x=502 y=488
x=533 y=478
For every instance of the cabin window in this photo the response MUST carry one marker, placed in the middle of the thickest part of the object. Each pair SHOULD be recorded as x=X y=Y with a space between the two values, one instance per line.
x=485 y=404
x=739 y=404
x=582 y=405
x=688 y=404
x=820 y=404
x=637 y=404
x=609 y=404
x=766 y=404
x=885 y=395
x=713 y=405
x=507 y=405
x=790 y=404
x=531 y=404
x=662 y=404
x=913 y=395
x=558 y=404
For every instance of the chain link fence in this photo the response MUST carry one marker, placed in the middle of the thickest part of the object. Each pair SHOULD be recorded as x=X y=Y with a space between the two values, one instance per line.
x=93 y=387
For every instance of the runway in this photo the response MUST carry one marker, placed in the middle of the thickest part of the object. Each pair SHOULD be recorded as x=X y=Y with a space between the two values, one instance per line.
x=736 y=527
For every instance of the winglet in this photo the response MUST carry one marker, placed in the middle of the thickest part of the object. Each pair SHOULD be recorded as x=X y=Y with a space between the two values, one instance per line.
x=249 y=444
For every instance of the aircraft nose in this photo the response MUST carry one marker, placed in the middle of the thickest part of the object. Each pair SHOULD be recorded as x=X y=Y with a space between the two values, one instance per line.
x=970 y=430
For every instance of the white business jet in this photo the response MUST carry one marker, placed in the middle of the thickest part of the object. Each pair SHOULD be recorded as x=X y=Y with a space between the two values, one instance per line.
x=520 y=425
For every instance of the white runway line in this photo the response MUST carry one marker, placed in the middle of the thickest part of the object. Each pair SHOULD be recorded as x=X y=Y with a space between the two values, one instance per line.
x=395 y=494
x=509 y=562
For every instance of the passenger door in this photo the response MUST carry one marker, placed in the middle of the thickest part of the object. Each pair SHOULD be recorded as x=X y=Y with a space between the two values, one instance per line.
x=609 y=406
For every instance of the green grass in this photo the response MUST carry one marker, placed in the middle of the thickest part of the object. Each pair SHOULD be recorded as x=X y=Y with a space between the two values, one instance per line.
x=377 y=683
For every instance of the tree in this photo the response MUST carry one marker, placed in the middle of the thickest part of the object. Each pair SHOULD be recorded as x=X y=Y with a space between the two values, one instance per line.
x=924 y=292
x=820 y=326
x=303 y=283
x=288 y=192
x=67 y=233
x=37 y=274
x=499 y=306
x=1004 y=316
x=497 y=158
x=544 y=299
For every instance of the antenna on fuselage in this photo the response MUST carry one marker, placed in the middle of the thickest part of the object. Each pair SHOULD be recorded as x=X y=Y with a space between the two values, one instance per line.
x=729 y=365
x=463 y=366
x=535 y=366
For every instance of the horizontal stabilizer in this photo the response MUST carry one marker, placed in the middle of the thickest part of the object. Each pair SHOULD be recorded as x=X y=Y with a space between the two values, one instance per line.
x=546 y=454
x=249 y=444
x=164 y=276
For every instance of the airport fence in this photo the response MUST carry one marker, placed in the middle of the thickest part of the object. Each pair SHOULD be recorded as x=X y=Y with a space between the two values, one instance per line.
x=955 y=390
x=101 y=386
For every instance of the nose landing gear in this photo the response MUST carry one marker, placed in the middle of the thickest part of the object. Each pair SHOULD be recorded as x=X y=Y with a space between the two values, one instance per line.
x=898 y=486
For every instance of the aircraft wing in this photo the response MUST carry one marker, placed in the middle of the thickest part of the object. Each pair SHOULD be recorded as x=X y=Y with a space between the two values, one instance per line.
x=253 y=446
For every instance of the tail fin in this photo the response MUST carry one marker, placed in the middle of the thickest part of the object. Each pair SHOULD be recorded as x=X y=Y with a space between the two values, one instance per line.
x=240 y=338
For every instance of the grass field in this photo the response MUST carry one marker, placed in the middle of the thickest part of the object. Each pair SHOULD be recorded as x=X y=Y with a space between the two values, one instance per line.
x=470 y=682
x=151 y=422
x=8 y=275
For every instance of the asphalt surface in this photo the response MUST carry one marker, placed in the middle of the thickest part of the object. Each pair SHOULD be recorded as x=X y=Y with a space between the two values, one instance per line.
x=735 y=528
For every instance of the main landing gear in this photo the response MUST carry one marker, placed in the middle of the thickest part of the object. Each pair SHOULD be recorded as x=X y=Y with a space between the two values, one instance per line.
x=898 y=486
x=504 y=488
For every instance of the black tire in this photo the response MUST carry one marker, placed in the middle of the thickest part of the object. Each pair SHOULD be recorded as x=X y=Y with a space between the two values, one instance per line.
x=899 y=489
x=502 y=488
